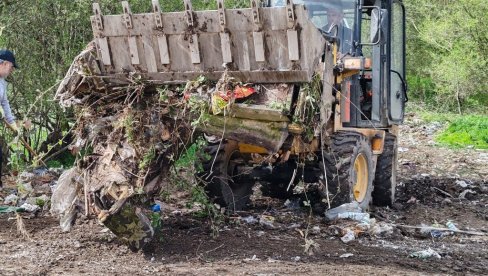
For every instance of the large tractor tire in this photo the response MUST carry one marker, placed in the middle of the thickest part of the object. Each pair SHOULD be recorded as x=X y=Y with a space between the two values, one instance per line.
x=349 y=168
x=385 y=178
x=224 y=183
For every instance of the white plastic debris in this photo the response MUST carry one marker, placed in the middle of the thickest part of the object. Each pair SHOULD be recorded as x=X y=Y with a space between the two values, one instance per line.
x=333 y=213
x=462 y=183
x=29 y=207
x=451 y=225
x=348 y=237
x=465 y=192
x=64 y=197
x=382 y=229
x=426 y=254
x=253 y=258
x=360 y=217
x=347 y=255
x=249 y=220
x=11 y=199
x=316 y=230
x=400 y=149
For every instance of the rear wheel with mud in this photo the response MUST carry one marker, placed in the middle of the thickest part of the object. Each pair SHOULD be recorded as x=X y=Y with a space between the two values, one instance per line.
x=385 y=178
x=349 y=169
x=225 y=181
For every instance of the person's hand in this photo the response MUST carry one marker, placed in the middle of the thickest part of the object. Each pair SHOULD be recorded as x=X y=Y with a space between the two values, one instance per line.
x=27 y=124
x=14 y=127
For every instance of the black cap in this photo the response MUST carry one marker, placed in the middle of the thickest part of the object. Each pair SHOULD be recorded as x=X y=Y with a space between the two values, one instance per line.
x=8 y=56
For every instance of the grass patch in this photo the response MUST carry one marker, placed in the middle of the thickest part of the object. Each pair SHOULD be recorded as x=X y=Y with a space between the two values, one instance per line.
x=465 y=131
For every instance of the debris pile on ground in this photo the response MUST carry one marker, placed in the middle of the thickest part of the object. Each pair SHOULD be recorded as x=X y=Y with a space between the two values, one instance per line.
x=31 y=191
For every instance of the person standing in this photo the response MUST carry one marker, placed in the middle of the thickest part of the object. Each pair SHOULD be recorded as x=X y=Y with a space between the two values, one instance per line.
x=7 y=66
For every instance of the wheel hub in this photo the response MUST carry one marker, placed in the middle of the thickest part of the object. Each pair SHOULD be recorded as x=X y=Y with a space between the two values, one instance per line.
x=360 y=187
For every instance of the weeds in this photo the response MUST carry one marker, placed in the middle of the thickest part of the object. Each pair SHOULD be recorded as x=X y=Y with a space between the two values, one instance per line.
x=466 y=131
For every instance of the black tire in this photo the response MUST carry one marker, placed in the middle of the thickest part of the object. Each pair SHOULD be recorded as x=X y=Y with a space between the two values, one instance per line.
x=385 y=177
x=222 y=184
x=346 y=148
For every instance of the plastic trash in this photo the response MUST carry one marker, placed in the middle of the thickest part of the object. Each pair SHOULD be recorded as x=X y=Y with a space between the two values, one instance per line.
x=40 y=171
x=357 y=216
x=465 y=192
x=451 y=225
x=349 y=236
x=11 y=199
x=333 y=213
x=156 y=208
x=462 y=183
x=29 y=207
x=347 y=255
x=437 y=234
x=249 y=220
x=64 y=198
x=10 y=209
x=426 y=254
x=381 y=229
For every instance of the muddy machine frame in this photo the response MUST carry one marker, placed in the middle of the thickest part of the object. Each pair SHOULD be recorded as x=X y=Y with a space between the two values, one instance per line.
x=349 y=151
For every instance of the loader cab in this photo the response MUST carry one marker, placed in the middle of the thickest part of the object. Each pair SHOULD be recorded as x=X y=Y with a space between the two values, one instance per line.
x=374 y=30
x=376 y=96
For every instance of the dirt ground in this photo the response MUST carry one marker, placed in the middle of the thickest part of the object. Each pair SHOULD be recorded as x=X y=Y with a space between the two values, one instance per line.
x=432 y=189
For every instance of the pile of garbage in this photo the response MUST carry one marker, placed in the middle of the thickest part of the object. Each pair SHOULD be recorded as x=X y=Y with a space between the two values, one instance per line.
x=358 y=223
x=31 y=193
x=126 y=138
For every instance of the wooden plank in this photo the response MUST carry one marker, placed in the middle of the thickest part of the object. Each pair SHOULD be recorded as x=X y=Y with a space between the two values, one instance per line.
x=212 y=56
x=122 y=62
x=258 y=38
x=194 y=49
x=149 y=54
x=225 y=45
x=293 y=50
x=241 y=51
x=134 y=53
x=257 y=112
x=104 y=51
x=163 y=49
x=180 y=53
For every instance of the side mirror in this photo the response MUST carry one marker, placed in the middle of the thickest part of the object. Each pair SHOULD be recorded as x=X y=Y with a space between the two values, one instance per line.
x=375 y=26
x=378 y=25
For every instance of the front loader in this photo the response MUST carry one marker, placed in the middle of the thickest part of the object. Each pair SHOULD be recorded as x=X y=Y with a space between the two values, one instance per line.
x=318 y=90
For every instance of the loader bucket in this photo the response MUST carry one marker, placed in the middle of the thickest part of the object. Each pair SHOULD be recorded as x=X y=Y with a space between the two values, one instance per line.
x=257 y=44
